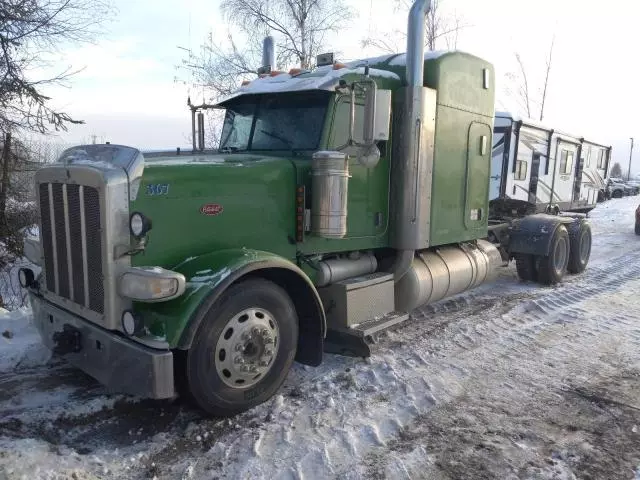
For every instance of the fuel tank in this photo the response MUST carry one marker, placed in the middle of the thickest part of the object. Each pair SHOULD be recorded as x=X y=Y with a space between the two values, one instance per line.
x=445 y=271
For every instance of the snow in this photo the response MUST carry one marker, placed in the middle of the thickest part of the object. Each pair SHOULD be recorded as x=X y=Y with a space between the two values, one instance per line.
x=20 y=344
x=511 y=380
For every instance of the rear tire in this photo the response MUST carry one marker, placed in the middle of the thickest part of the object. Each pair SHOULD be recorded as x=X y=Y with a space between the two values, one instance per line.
x=551 y=268
x=244 y=348
x=526 y=267
x=637 y=228
x=580 y=246
x=616 y=194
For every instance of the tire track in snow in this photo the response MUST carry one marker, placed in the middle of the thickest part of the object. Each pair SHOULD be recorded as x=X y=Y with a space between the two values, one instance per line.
x=569 y=343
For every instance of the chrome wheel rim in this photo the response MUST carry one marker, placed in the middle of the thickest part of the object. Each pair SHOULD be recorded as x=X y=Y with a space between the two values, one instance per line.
x=247 y=348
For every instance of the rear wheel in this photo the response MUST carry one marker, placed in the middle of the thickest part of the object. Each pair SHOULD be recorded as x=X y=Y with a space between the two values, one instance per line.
x=551 y=268
x=244 y=348
x=526 y=267
x=617 y=194
x=580 y=250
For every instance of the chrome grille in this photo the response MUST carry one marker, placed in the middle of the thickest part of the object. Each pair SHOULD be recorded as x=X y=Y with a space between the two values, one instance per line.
x=72 y=243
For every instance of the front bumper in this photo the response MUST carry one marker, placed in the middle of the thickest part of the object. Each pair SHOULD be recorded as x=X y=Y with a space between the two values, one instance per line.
x=119 y=364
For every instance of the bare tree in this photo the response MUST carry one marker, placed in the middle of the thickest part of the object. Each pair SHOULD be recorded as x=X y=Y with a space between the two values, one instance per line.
x=439 y=24
x=29 y=30
x=520 y=86
x=300 y=28
x=520 y=83
x=616 y=171
x=301 y=25
x=546 y=78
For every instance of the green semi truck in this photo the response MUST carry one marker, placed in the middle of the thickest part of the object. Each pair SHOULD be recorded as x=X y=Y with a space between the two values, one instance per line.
x=338 y=201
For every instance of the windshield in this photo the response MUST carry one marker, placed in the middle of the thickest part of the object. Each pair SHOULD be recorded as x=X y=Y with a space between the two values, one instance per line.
x=274 y=122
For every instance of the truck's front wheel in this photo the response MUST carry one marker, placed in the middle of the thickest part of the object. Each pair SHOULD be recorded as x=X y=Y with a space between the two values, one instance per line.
x=244 y=348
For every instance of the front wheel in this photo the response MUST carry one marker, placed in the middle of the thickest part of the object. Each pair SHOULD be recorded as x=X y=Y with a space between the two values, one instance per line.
x=580 y=245
x=551 y=268
x=243 y=349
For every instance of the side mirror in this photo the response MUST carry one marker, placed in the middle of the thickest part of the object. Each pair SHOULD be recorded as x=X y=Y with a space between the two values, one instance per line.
x=377 y=115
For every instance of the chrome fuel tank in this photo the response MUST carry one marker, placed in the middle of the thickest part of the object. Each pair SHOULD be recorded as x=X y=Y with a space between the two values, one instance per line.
x=446 y=271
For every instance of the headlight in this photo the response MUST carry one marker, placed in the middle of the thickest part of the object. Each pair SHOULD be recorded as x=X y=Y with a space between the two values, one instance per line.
x=139 y=224
x=152 y=284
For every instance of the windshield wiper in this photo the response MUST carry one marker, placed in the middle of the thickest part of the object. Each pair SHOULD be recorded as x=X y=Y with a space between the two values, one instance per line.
x=278 y=137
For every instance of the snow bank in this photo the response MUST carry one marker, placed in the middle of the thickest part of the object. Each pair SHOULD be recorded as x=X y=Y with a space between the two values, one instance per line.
x=20 y=343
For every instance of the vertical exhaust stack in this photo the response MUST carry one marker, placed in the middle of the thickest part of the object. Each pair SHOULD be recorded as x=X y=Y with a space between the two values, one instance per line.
x=269 y=53
x=415 y=42
x=411 y=171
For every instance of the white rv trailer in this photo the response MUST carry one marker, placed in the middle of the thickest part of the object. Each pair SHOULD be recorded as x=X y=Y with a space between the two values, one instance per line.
x=545 y=169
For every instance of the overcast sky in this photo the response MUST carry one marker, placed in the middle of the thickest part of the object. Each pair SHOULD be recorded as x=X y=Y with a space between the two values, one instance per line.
x=128 y=93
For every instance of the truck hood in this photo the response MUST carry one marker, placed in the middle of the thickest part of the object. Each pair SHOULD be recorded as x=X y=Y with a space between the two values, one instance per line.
x=206 y=203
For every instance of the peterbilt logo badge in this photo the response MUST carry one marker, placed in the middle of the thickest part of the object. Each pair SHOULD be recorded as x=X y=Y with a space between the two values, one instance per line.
x=211 y=209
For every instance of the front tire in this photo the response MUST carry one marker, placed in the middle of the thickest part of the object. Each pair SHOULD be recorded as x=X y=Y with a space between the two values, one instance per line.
x=243 y=349
x=552 y=267
x=580 y=246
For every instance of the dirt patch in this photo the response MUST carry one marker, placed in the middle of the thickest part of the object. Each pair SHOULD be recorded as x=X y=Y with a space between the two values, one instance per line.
x=587 y=430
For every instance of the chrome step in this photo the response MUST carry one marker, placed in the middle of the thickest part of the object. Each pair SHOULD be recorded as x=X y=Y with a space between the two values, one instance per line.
x=356 y=341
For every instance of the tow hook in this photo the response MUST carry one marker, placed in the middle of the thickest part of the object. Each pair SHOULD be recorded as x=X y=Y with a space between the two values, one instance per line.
x=69 y=340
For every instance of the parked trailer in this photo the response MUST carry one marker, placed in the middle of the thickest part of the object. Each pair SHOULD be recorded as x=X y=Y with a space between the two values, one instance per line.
x=539 y=166
x=339 y=200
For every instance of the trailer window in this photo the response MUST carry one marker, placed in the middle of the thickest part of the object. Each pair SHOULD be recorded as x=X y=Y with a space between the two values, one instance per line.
x=521 y=170
x=566 y=162
x=600 y=158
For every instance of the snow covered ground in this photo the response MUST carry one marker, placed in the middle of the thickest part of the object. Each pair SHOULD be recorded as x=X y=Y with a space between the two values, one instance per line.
x=511 y=380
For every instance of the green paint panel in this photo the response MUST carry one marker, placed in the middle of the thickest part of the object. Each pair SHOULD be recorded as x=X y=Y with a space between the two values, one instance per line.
x=462 y=151
x=254 y=198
